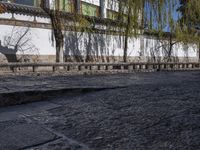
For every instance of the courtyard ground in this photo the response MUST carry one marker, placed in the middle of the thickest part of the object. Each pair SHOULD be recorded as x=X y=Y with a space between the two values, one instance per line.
x=137 y=111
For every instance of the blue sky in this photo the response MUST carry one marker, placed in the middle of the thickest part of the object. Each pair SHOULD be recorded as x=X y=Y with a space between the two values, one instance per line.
x=175 y=16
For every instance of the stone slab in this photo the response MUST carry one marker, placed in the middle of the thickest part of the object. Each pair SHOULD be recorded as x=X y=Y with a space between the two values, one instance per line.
x=20 y=136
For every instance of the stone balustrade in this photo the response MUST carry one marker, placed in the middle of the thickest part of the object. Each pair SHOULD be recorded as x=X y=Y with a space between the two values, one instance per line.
x=78 y=67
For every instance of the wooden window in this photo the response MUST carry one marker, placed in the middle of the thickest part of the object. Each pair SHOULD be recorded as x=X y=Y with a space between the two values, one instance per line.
x=37 y=3
x=116 y=9
x=112 y=14
x=89 y=9
x=65 y=5
x=25 y=2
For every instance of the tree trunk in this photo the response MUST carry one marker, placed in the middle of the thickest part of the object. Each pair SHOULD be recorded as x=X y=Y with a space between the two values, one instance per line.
x=199 y=51
x=125 y=48
x=59 y=54
x=57 y=25
x=170 y=49
x=127 y=33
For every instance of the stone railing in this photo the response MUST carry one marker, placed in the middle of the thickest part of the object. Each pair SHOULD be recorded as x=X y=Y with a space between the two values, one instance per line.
x=53 y=67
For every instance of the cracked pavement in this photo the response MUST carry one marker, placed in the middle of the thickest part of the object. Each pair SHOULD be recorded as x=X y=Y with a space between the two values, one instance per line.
x=154 y=111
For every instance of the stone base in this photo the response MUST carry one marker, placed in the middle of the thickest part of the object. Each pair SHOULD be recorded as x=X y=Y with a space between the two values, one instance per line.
x=52 y=58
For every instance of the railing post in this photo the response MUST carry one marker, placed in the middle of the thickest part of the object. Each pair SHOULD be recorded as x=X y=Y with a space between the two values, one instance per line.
x=68 y=67
x=187 y=66
x=140 y=66
x=90 y=67
x=54 y=68
x=106 y=67
x=159 y=67
x=14 y=69
x=179 y=66
x=34 y=68
x=146 y=66
x=165 y=66
x=192 y=65
x=154 y=66
x=130 y=67
x=99 y=67
x=122 y=67
x=134 y=67
x=81 y=67
x=102 y=67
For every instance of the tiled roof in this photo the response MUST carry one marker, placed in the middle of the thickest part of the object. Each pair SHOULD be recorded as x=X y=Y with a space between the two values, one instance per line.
x=23 y=9
x=36 y=11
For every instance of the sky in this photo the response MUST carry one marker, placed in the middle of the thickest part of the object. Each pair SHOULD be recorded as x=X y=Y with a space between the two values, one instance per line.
x=176 y=16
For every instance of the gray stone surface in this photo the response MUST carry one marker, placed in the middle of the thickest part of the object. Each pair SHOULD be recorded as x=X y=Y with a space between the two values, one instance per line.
x=156 y=111
x=17 y=83
x=16 y=136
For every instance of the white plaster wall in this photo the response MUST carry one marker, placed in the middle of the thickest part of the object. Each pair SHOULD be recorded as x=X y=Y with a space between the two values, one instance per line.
x=24 y=18
x=38 y=39
x=154 y=47
x=43 y=20
x=97 y=44
x=94 y=2
x=6 y=15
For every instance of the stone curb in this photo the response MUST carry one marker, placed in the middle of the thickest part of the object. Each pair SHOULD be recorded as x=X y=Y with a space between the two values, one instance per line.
x=22 y=97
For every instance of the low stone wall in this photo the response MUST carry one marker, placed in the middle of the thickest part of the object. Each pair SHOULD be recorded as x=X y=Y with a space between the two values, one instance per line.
x=97 y=67
x=23 y=97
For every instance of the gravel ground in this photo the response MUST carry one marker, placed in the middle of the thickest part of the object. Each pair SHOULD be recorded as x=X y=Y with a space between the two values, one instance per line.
x=155 y=111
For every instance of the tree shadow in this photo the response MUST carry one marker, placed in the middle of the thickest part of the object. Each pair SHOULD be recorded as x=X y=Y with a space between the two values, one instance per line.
x=9 y=53
x=72 y=47
x=85 y=47
x=17 y=44
x=159 y=51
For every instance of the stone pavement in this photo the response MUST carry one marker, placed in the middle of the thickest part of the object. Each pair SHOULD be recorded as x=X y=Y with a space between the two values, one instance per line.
x=147 y=111
x=21 y=83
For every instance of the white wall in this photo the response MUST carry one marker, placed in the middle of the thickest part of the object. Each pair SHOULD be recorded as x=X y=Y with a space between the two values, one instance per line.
x=39 y=42
x=94 y=2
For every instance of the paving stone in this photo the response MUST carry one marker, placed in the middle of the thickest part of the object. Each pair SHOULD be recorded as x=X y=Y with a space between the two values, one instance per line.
x=20 y=136
x=156 y=111
x=7 y=116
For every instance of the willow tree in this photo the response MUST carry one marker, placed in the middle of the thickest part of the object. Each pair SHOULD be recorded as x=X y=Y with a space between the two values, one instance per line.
x=60 y=19
x=185 y=28
x=190 y=13
x=130 y=13
x=190 y=20
x=160 y=21
x=153 y=15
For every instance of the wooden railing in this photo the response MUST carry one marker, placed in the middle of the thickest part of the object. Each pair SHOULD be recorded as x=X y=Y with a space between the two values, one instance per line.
x=35 y=67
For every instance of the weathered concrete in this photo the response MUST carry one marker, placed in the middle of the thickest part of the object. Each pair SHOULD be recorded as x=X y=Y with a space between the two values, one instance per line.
x=156 y=111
